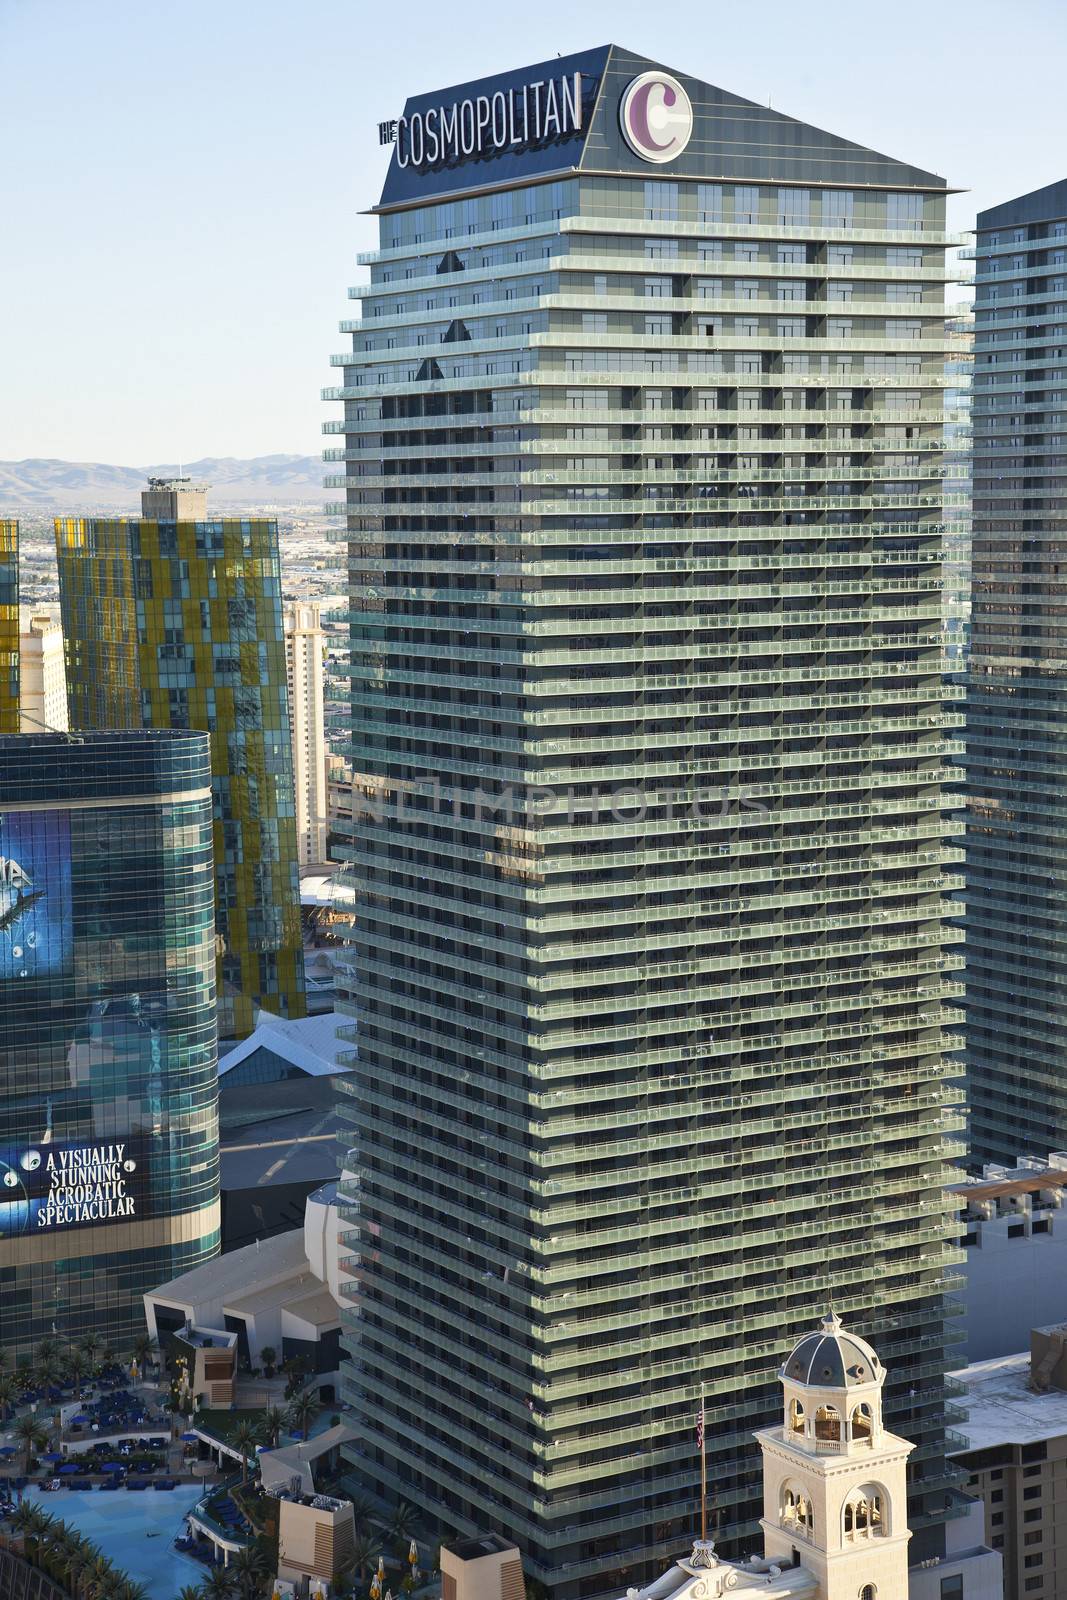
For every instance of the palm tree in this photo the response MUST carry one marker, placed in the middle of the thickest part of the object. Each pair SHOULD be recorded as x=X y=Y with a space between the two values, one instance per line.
x=130 y=1589
x=271 y=1424
x=191 y=1591
x=245 y=1438
x=302 y=1412
x=363 y=1554
x=249 y=1567
x=10 y=1389
x=269 y=1357
x=401 y=1522
x=77 y=1565
x=78 y=1368
x=144 y=1349
x=218 y=1585
x=33 y=1524
x=362 y=1512
x=47 y=1370
x=90 y=1344
x=31 y=1436
x=48 y=1349
x=62 y=1542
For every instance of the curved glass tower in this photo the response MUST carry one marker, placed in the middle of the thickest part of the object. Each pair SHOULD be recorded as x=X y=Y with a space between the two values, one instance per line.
x=643 y=460
x=109 y=1166
x=174 y=620
x=9 y=626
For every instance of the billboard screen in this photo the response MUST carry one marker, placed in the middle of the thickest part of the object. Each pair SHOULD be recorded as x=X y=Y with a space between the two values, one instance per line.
x=36 y=928
x=70 y=1184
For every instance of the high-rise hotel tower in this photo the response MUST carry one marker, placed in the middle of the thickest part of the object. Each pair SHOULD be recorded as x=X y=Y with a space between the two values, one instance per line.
x=1017 y=685
x=174 y=620
x=643 y=460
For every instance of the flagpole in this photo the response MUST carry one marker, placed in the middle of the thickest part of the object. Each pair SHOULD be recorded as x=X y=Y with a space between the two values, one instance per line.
x=703 y=1473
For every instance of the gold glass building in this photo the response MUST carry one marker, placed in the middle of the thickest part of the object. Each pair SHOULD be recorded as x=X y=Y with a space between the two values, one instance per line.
x=178 y=624
x=9 y=626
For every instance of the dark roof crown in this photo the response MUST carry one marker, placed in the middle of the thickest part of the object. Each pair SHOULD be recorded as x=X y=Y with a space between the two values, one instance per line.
x=832 y=1358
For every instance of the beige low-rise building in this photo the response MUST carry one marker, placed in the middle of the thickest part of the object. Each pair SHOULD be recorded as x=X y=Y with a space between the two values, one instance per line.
x=485 y=1567
x=316 y=1537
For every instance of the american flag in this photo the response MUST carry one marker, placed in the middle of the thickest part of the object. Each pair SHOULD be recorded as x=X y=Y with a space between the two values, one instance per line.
x=700 y=1426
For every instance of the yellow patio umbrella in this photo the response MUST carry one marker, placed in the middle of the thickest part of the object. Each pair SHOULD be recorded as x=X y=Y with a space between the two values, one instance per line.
x=413 y=1553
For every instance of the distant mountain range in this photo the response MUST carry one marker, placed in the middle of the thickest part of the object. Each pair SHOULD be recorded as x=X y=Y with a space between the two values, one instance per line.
x=43 y=485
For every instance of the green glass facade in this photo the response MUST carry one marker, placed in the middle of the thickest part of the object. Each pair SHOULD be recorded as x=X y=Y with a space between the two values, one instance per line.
x=9 y=626
x=644 y=475
x=1016 y=917
x=179 y=625
x=109 y=1166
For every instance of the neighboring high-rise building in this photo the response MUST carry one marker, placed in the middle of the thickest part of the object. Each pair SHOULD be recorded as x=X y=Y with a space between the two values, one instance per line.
x=42 y=673
x=109 y=1162
x=178 y=624
x=644 y=466
x=305 y=658
x=1016 y=918
x=1014 y=1448
x=9 y=626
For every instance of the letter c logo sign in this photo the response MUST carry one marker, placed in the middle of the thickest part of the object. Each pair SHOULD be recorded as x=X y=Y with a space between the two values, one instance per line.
x=656 y=117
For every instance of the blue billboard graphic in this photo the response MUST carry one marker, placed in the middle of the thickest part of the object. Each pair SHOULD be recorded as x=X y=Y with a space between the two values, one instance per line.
x=70 y=1185
x=36 y=930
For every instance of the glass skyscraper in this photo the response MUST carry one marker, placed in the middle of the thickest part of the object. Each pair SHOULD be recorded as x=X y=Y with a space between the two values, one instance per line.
x=9 y=626
x=109 y=1164
x=178 y=624
x=643 y=457
x=1017 y=685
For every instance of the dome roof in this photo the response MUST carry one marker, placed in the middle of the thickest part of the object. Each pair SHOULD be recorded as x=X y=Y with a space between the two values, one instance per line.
x=832 y=1358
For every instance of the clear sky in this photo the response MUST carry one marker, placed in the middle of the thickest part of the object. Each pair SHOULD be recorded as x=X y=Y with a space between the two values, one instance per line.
x=181 y=180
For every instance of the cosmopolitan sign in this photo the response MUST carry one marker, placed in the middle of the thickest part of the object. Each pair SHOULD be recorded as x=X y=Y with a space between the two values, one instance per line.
x=486 y=124
x=70 y=1185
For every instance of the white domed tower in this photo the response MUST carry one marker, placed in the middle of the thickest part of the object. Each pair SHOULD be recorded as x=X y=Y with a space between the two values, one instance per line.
x=833 y=1478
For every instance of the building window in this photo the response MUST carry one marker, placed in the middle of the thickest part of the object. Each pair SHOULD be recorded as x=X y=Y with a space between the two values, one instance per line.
x=709 y=202
x=794 y=207
x=868 y=1592
x=746 y=203
x=952 y=1588
x=904 y=211
x=661 y=201
x=837 y=208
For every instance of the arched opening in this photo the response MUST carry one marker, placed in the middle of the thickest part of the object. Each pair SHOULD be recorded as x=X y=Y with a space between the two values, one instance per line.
x=795 y=1509
x=868 y=1592
x=862 y=1424
x=828 y=1424
x=796 y=1417
x=863 y=1516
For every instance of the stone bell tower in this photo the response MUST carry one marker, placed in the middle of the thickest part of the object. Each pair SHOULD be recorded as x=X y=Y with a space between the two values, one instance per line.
x=833 y=1479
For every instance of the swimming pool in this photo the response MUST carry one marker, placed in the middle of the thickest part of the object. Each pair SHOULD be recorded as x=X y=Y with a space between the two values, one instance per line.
x=135 y=1531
